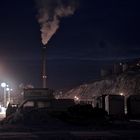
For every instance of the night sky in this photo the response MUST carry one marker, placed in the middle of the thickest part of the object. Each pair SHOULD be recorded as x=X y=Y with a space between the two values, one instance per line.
x=100 y=33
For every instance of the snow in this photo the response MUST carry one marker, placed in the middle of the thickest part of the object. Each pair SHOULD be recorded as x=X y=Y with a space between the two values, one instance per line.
x=126 y=83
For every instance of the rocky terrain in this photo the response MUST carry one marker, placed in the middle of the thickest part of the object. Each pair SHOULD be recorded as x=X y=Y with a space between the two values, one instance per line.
x=125 y=83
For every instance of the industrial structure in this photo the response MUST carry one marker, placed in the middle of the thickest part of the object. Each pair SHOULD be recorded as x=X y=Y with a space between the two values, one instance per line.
x=44 y=76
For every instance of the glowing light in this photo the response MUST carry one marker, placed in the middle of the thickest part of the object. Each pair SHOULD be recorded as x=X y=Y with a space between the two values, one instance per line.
x=3 y=85
x=121 y=94
x=2 y=112
x=7 y=89
x=76 y=98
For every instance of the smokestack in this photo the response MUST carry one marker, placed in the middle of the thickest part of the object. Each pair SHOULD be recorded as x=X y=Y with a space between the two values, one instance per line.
x=49 y=14
x=44 y=76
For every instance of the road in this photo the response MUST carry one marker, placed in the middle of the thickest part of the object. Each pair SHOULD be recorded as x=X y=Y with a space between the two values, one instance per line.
x=15 y=132
x=71 y=135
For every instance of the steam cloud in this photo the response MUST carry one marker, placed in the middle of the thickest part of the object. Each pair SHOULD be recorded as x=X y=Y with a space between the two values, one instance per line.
x=50 y=12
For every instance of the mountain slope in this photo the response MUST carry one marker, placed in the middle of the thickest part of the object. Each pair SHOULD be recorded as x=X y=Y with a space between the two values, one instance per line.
x=127 y=83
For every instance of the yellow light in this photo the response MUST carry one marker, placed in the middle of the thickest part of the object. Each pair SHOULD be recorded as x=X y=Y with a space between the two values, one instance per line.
x=76 y=98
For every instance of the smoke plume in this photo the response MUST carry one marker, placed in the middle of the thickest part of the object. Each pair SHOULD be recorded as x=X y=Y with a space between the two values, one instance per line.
x=49 y=14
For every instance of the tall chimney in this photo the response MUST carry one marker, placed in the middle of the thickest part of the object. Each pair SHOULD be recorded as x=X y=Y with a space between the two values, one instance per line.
x=44 y=76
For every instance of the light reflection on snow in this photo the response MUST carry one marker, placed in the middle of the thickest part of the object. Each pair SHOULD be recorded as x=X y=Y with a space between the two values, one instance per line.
x=2 y=112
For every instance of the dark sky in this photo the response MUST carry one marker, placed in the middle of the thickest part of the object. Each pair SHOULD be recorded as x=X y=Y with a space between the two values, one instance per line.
x=98 y=34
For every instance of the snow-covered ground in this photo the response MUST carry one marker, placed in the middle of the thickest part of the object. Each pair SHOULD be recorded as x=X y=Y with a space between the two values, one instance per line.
x=126 y=83
x=2 y=113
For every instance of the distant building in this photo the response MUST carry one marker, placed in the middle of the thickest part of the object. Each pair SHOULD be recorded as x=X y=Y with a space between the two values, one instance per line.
x=120 y=67
x=125 y=67
x=117 y=68
x=105 y=72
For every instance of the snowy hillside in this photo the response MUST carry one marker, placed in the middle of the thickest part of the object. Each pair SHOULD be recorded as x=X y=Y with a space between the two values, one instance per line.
x=125 y=83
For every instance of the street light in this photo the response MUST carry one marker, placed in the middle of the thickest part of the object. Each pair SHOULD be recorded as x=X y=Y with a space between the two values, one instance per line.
x=8 y=93
x=3 y=85
x=7 y=89
x=8 y=97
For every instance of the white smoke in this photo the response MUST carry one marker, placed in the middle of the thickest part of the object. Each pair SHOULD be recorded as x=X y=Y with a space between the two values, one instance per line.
x=50 y=12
